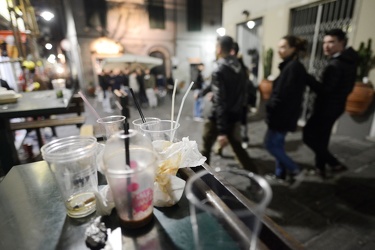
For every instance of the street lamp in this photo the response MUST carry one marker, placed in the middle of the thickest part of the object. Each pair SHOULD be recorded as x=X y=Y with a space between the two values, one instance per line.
x=250 y=24
x=221 y=31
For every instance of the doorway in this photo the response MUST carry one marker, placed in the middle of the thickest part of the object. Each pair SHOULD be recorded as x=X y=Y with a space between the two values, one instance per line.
x=249 y=35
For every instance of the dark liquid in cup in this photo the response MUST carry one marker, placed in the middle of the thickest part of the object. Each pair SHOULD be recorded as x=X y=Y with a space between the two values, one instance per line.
x=137 y=223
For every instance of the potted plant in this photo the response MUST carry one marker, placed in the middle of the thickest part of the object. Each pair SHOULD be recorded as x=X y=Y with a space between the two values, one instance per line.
x=265 y=86
x=90 y=89
x=362 y=95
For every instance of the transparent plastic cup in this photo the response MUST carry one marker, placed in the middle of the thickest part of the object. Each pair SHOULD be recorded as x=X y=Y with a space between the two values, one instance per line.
x=138 y=122
x=161 y=130
x=59 y=85
x=112 y=124
x=72 y=161
x=131 y=174
x=217 y=216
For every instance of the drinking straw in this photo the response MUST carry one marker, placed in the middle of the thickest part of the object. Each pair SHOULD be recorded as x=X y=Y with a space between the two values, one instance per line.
x=138 y=106
x=118 y=105
x=182 y=104
x=89 y=105
x=173 y=98
x=127 y=161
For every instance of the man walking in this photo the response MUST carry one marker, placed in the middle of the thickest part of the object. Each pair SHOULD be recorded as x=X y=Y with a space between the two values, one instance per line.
x=337 y=82
x=229 y=96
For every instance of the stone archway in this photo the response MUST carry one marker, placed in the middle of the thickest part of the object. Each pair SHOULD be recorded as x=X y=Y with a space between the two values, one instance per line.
x=162 y=53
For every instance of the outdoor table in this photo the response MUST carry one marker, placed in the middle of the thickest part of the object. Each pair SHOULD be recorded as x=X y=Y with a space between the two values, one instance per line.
x=33 y=216
x=30 y=104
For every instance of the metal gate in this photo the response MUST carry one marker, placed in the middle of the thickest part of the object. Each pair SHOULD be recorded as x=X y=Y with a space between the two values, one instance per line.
x=311 y=22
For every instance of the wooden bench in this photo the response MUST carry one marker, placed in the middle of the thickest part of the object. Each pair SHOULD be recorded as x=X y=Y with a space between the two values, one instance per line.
x=76 y=105
x=52 y=122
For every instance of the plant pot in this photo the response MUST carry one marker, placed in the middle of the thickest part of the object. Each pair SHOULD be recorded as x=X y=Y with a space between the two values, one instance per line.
x=90 y=90
x=359 y=99
x=265 y=88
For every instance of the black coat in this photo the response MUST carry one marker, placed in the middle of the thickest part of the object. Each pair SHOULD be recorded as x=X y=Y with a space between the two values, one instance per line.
x=337 y=81
x=285 y=104
x=228 y=86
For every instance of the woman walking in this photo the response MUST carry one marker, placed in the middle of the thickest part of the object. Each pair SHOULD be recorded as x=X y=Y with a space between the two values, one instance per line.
x=285 y=105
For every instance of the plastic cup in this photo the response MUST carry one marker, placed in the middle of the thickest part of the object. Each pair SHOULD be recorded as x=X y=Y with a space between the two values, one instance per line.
x=138 y=122
x=131 y=175
x=59 y=85
x=217 y=216
x=72 y=161
x=112 y=124
x=161 y=130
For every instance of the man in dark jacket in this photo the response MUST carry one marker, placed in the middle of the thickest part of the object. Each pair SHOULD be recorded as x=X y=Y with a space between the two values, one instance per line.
x=229 y=96
x=337 y=82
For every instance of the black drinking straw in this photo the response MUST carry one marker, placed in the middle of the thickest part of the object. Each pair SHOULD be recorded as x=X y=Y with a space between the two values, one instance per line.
x=127 y=160
x=138 y=106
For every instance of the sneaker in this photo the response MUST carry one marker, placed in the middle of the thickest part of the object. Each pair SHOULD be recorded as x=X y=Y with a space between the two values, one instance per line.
x=198 y=119
x=218 y=150
x=110 y=111
x=339 y=168
x=273 y=179
x=296 y=179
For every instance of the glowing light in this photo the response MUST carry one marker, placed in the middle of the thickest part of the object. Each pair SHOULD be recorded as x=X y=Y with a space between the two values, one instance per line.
x=250 y=24
x=107 y=46
x=48 y=46
x=47 y=15
x=51 y=58
x=60 y=70
x=221 y=31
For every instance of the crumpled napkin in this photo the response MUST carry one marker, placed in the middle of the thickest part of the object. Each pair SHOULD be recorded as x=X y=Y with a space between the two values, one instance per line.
x=168 y=188
x=104 y=200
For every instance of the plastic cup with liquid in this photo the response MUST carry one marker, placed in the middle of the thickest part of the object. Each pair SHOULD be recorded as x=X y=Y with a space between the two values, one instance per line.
x=72 y=161
x=130 y=163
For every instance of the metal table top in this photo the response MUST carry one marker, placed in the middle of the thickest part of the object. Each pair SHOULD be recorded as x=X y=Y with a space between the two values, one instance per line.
x=33 y=216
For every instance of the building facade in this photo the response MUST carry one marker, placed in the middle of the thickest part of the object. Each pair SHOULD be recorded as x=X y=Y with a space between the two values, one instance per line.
x=181 y=32
x=309 y=19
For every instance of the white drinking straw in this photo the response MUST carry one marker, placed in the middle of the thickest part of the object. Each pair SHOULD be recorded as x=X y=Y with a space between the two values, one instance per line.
x=173 y=98
x=89 y=105
x=118 y=105
x=182 y=105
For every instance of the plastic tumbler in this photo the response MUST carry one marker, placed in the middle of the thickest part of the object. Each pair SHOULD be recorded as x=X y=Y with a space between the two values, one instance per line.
x=112 y=124
x=218 y=217
x=130 y=171
x=138 y=122
x=72 y=161
x=165 y=130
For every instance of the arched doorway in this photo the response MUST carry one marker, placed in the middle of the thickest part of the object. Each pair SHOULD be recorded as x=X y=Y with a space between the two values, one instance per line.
x=158 y=70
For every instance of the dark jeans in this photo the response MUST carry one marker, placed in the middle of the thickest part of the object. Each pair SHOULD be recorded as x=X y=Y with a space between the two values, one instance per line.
x=316 y=135
x=274 y=142
x=210 y=134
x=244 y=136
